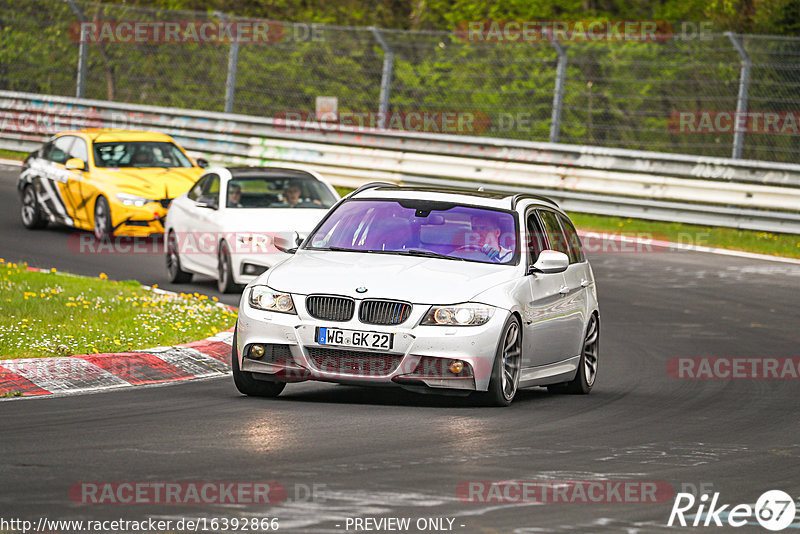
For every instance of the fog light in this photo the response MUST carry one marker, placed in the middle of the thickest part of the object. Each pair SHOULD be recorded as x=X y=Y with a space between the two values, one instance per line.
x=257 y=351
x=456 y=367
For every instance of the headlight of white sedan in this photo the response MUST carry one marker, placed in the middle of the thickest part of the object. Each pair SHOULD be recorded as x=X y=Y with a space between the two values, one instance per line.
x=265 y=298
x=458 y=315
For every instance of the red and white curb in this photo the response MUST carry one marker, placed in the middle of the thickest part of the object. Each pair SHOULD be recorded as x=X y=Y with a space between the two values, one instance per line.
x=95 y=372
x=88 y=373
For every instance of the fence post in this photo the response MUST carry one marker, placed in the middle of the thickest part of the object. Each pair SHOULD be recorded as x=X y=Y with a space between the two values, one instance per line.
x=83 y=52
x=558 y=94
x=233 y=64
x=741 y=101
x=386 y=76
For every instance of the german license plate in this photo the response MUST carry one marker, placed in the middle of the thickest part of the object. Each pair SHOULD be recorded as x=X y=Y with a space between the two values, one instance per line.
x=354 y=338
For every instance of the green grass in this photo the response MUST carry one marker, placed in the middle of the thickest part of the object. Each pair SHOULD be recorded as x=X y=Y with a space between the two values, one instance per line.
x=12 y=154
x=54 y=314
x=708 y=236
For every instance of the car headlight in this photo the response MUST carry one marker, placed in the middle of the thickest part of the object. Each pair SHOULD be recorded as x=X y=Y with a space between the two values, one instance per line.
x=265 y=298
x=458 y=315
x=133 y=200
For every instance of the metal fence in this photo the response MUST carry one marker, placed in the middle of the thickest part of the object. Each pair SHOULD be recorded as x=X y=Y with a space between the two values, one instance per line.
x=679 y=94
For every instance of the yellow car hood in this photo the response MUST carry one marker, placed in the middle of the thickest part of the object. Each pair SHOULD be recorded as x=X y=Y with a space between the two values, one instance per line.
x=152 y=183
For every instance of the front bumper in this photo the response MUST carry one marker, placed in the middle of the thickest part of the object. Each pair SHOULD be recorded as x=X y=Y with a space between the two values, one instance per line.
x=414 y=350
x=138 y=221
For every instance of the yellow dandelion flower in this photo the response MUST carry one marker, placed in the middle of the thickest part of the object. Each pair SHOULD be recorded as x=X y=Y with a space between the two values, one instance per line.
x=103 y=276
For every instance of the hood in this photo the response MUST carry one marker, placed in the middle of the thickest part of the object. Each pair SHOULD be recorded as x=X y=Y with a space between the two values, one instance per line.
x=151 y=183
x=417 y=280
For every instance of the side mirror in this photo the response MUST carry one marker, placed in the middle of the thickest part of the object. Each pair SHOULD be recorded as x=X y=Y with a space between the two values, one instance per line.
x=208 y=202
x=550 y=262
x=75 y=164
x=202 y=163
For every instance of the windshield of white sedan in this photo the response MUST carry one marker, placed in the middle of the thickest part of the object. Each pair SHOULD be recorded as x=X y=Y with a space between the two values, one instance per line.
x=420 y=228
x=139 y=154
x=278 y=192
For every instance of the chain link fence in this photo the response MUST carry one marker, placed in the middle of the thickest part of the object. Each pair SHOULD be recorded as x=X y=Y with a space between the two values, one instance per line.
x=677 y=94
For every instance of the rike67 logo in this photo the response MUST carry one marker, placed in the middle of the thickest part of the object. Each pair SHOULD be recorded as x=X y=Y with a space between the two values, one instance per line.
x=775 y=510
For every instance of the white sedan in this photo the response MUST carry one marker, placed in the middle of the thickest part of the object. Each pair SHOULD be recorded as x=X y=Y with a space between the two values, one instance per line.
x=452 y=291
x=236 y=223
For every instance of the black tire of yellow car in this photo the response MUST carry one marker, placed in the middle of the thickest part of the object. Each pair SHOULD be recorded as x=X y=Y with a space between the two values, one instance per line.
x=498 y=395
x=225 y=282
x=32 y=216
x=176 y=274
x=245 y=382
x=102 y=219
x=582 y=383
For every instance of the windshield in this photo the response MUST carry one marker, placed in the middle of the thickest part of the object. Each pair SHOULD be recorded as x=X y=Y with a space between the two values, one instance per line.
x=139 y=154
x=278 y=192
x=420 y=228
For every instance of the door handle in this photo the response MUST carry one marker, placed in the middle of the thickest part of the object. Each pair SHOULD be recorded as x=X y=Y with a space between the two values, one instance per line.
x=585 y=283
x=564 y=290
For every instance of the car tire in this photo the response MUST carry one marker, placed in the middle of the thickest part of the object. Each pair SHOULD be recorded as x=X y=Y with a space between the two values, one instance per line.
x=176 y=274
x=225 y=283
x=102 y=218
x=31 y=213
x=245 y=382
x=586 y=376
x=506 y=367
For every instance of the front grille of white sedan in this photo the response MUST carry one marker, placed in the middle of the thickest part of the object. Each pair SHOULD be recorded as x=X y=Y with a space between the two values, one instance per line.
x=330 y=308
x=353 y=362
x=383 y=312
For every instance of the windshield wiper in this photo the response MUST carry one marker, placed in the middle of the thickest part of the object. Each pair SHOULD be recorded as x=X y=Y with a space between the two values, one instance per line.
x=423 y=254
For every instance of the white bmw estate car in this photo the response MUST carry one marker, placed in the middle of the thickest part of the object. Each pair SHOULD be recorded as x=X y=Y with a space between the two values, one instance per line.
x=433 y=290
x=230 y=223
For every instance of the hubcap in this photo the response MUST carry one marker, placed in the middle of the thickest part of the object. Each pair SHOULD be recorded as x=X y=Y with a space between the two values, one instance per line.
x=100 y=220
x=172 y=257
x=590 y=351
x=28 y=206
x=223 y=266
x=511 y=361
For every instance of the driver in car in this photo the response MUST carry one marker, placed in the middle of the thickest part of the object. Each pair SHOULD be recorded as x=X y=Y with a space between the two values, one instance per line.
x=488 y=236
x=291 y=196
x=234 y=195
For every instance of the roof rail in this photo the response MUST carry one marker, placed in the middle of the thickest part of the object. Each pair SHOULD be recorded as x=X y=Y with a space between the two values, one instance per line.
x=372 y=185
x=521 y=196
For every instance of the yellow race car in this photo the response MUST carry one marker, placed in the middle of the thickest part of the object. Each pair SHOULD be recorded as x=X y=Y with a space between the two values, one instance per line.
x=111 y=182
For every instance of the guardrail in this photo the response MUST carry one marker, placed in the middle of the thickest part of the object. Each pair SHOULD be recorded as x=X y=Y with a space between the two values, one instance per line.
x=672 y=187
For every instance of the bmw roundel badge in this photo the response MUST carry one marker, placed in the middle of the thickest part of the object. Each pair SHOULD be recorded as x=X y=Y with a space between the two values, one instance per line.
x=361 y=289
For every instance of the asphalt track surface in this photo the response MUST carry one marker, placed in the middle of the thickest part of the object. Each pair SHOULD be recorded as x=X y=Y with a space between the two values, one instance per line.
x=388 y=453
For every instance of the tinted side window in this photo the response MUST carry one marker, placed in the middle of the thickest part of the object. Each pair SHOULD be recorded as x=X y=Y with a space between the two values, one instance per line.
x=573 y=241
x=79 y=150
x=555 y=236
x=61 y=147
x=197 y=189
x=536 y=239
x=211 y=187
